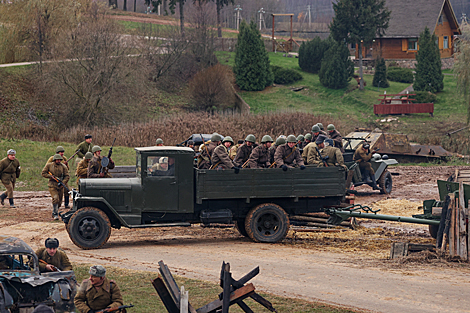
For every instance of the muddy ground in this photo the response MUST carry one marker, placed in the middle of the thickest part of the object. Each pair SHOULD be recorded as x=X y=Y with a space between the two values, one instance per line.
x=349 y=268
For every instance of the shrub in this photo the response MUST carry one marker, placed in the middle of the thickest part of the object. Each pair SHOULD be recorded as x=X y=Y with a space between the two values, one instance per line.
x=211 y=89
x=400 y=75
x=429 y=76
x=380 y=75
x=252 y=70
x=284 y=75
x=336 y=68
x=311 y=54
x=424 y=97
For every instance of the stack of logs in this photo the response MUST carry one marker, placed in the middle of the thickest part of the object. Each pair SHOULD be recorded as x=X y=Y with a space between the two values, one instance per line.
x=319 y=222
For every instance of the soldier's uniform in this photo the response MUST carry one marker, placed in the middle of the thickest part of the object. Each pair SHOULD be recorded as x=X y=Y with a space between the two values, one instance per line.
x=310 y=155
x=206 y=154
x=260 y=157
x=60 y=171
x=65 y=162
x=97 y=298
x=82 y=169
x=83 y=148
x=94 y=167
x=363 y=157
x=337 y=139
x=286 y=156
x=10 y=170
x=59 y=260
x=271 y=152
x=335 y=157
x=243 y=153
x=220 y=158
x=233 y=150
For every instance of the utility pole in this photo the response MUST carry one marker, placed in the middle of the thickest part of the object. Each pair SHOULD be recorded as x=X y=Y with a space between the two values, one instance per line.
x=238 y=9
x=309 y=16
x=261 y=18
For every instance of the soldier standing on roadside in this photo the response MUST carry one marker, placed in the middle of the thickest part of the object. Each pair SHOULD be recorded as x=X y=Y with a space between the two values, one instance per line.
x=204 y=159
x=60 y=150
x=259 y=157
x=82 y=168
x=10 y=170
x=97 y=292
x=287 y=153
x=94 y=165
x=60 y=171
x=244 y=151
x=336 y=136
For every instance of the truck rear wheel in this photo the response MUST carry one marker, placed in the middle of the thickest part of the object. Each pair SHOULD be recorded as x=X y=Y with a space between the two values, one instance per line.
x=89 y=228
x=385 y=182
x=267 y=222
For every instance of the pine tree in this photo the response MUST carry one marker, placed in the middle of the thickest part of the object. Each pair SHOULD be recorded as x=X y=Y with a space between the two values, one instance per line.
x=336 y=68
x=311 y=54
x=252 y=69
x=428 y=76
x=380 y=75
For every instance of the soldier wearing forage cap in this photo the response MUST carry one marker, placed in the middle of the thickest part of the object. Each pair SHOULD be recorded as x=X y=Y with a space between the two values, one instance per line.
x=54 y=257
x=311 y=153
x=97 y=292
x=60 y=150
x=60 y=171
x=9 y=170
x=84 y=146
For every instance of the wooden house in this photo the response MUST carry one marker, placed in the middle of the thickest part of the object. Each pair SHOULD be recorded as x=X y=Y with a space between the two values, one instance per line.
x=408 y=19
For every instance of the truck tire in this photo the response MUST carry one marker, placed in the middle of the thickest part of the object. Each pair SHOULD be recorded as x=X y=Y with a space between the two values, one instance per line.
x=433 y=229
x=240 y=226
x=267 y=222
x=89 y=228
x=385 y=182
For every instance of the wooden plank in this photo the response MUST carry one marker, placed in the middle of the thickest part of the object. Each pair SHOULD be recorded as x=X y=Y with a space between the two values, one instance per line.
x=244 y=307
x=235 y=296
x=452 y=233
x=184 y=300
x=268 y=305
x=227 y=284
x=170 y=282
x=462 y=225
x=165 y=295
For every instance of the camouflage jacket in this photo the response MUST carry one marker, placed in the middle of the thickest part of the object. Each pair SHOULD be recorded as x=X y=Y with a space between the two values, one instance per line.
x=59 y=260
x=92 y=298
x=220 y=158
x=9 y=170
x=94 y=167
x=259 y=157
x=285 y=155
x=58 y=170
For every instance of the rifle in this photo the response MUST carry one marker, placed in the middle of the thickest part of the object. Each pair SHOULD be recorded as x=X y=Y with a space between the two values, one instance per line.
x=73 y=155
x=322 y=158
x=61 y=183
x=54 y=268
x=105 y=160
x=119 y=308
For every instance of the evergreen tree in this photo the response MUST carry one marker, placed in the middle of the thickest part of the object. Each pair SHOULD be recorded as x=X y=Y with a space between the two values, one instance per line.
x=311 y=54
x=336 y=68
x=428 y=76
x=359 y=22
x=380 y=75
x=252 y=69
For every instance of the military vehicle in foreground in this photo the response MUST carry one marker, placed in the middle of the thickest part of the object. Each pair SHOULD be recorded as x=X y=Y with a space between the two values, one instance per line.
x=169 y=191
x=22 y=287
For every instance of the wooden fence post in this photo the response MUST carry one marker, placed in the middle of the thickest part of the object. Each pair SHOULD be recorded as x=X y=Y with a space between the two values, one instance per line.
x=452 y=223
x=184 y=300
x=462 y=227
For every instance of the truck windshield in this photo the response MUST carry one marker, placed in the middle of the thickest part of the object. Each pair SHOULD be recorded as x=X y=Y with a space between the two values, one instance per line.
x=160 y=166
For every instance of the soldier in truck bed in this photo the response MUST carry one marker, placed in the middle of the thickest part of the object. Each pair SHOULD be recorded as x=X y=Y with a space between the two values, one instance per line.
x=259 y=157
x=336 y=136
x=272 y=150
x=244 y=151
x=335 y=157
x=205 y=158
x=94 y=166
x=82 y=168
x=288 y=155
x=220 y=158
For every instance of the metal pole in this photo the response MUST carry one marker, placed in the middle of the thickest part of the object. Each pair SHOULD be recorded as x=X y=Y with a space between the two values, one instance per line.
x=274 y=45
x=309 y=16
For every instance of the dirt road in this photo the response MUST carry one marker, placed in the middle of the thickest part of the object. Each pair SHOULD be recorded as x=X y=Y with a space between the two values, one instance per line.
x=304 y=267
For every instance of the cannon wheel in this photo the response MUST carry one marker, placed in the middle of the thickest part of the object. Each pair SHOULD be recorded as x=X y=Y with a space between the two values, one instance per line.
x=89 y=228
x=385 y=182
x=267 y=222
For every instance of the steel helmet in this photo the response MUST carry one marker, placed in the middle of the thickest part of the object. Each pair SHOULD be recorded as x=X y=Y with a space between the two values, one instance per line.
x=59 y=149
x=291 y=138
x=228 y=138
x=95 y=149
x=280 y=141
x=301 y=138
x=308 y=136
x=159 y=141
x=88 y=156
x=216 y=137
x=320 y=125
x=376 y=156
x=266 y=138
x=315 y=129
x=163 y=160
x=330 y=127
x=11 y=151
x=57 y=157
x=250 y=138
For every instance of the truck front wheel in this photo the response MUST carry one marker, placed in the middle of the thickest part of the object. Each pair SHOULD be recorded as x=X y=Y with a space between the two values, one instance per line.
x=89 y=228
x=267 y=222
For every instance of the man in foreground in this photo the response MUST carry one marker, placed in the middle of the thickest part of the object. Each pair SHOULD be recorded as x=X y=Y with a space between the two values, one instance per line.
x=52 y=258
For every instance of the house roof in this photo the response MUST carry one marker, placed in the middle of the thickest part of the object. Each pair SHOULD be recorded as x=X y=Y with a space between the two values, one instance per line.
x=409 y=18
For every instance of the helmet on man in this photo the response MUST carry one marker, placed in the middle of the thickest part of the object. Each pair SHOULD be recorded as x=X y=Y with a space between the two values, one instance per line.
x=315 y=129
x=291 y=138
x=266 y=138
x=95 y=149
x=251 y=138
x=330 y=127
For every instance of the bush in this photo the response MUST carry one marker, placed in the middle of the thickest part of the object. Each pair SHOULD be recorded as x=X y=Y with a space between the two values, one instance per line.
x=380 y=75
x=429 y=76
x=311 y=54
x=424 y=97
x=252 y=70
x=336 y=68
x=284 y=75
x=211 y=89
x=400 y=75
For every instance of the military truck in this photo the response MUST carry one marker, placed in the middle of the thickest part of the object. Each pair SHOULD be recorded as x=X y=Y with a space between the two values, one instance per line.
x=169 y=191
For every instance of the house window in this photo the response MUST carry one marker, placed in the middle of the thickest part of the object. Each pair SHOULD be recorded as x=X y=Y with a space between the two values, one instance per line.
x=412 y=44
x=441 y=19
x=446 y=42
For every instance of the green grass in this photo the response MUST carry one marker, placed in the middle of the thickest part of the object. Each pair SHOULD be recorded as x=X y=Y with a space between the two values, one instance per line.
x=33 y=156
x=137 y=289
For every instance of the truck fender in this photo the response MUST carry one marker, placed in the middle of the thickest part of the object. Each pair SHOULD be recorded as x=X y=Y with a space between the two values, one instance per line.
x=383 y=166
x=105 y=206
